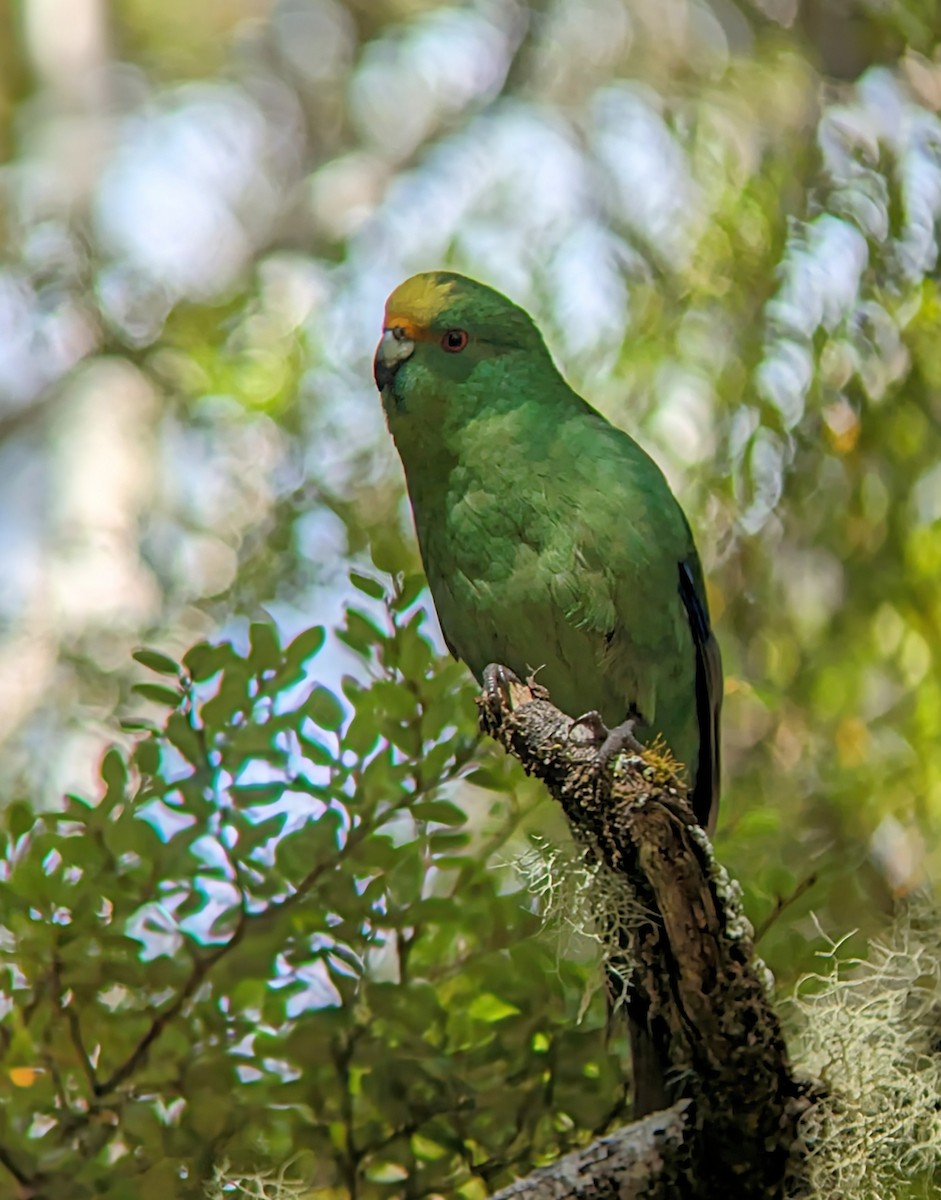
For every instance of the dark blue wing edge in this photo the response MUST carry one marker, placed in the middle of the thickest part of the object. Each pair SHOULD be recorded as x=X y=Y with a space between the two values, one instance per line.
x=705 y=796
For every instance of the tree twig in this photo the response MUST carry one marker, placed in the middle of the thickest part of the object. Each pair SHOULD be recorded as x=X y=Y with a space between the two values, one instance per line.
x=7 y=1161
x=784 y=902
x=69 y=1014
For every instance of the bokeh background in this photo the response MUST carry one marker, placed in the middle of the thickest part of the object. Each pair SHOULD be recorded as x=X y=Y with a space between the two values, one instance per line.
x=723 y=214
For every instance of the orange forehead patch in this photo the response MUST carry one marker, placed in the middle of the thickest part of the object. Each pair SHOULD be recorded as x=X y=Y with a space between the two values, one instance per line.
x=414 y=333
x=416 y=303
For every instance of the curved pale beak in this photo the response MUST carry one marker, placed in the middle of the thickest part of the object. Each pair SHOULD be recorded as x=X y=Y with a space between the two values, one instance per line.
x=394 y=348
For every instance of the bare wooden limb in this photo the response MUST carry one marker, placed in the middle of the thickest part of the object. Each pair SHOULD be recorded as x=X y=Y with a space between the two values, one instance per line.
x=683 y=950
x=648 y=1159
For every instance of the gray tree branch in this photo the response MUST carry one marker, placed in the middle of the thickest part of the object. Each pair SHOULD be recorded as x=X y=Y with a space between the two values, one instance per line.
x=649 y=1158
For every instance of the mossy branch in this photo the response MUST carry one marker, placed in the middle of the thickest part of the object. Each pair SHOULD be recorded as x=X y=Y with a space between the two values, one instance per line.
x=685 y=955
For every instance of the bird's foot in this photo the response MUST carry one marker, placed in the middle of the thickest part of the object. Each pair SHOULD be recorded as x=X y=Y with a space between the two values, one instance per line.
x=591 y=722
x=497 y=680
x=611 y=742
x=496 y=702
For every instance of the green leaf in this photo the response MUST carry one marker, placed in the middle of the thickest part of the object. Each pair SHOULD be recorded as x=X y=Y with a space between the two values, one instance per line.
x=20 y=818
x=446 y=841
x=316 y=842
x=250 y=794
x=181 y=735
x=487 y=1007
x=160 y=1180
x=316 y=751
x=362 y=734
x=114 y=770
x=386 y=1172
x=441 y=811
x=378 y=850
x=255 y=833
x=205 y=660
x=352 y=688
x=366 y=584
x=147 y=756
x=396 y=700
x=191 y=904
x=231 y=698
x=158 y=694
x=265 y=646
x=361 y=633
x=131 y=834
x=414 y=652
x=381 y=782
x=324 y=709
x=305 y=645
x=427 y=1150
x=153 y=660
x=138 y=725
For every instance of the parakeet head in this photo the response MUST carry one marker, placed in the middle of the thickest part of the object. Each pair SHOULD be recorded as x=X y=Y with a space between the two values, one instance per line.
x=450 y=345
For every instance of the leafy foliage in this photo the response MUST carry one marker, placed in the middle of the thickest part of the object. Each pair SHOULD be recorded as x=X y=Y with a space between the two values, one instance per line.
x=277 y=933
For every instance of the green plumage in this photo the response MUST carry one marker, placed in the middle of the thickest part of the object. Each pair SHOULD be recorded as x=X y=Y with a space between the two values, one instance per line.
x=550 y=539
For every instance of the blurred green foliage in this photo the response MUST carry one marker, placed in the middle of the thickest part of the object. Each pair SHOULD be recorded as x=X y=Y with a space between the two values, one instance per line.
x=280 y=920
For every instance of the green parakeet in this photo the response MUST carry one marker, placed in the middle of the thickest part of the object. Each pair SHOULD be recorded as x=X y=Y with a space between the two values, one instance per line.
x=550 y=539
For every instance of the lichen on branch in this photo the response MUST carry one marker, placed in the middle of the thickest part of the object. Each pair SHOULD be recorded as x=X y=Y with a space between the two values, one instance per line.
x=686 y=957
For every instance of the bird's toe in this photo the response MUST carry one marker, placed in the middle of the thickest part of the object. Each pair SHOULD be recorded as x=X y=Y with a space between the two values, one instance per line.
x=594 y=726
x=497 y=680
x=621 y=739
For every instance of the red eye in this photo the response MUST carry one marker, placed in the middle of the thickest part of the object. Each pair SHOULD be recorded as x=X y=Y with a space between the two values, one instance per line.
x=454 y=341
